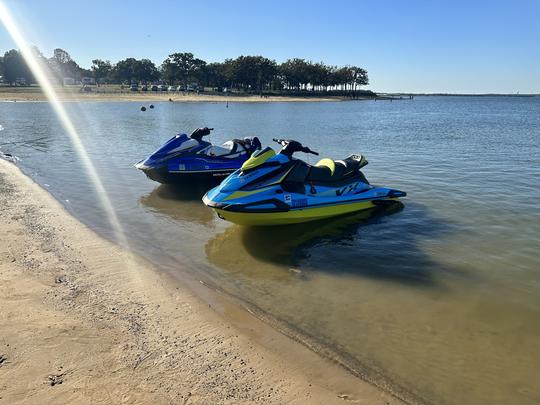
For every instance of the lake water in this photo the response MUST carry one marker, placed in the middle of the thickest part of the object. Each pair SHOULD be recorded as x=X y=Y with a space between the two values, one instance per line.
x=440 y=298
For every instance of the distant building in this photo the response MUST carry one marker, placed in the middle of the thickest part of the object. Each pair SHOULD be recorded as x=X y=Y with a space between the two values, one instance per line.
x=69 y=81
x=20 y=81
x=88 y=80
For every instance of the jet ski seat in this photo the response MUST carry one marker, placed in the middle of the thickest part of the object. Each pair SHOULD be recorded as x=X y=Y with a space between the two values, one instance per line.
x=329 y=163
x=328 y=170
x=230 y=149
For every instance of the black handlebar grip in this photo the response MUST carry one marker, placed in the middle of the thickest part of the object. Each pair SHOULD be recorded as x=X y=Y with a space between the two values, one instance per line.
x=305 y=149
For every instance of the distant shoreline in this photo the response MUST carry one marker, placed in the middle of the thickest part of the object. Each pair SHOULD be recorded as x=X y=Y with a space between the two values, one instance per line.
x=118 y=93
x=36 y=97
x=461 y=94
x=34 y=94
x=14 y=94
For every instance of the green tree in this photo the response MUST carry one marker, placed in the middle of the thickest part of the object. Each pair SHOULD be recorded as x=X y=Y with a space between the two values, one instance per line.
x=360 y=77
x=61 y=56
x=182 y=67
x=228 y=70
x=131 y=70
x=214 y=75
x=251 y=72
x=101 y=70
x=339 y=77
x=318 y=75
x=124 y=70
x=295 y=73
x=15 y=67
x=349 y=77
x=145 y=71
x=168 y=71
x=63 y=66
x=266 y=71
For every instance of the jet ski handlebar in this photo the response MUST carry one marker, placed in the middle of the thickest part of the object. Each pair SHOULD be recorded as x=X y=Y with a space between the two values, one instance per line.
x=200 y=132
x=290 y=146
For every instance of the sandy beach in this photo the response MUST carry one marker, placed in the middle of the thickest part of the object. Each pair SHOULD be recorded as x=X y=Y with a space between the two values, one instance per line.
x=85 y=321
x=10 y=94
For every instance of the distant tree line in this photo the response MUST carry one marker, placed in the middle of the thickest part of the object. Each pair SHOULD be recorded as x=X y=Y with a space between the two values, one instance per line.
x=252 y=74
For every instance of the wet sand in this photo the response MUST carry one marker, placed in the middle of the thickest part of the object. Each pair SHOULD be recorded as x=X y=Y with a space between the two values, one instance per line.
x=85 y=321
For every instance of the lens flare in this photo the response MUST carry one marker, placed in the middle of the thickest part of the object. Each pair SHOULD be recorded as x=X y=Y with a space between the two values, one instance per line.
x=39 y=70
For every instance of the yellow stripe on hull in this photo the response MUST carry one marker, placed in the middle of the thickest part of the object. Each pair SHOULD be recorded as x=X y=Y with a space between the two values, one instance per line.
x=293 y=216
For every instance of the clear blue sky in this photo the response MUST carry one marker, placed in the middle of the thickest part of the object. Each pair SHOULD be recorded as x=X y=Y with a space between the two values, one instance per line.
x=417 y=46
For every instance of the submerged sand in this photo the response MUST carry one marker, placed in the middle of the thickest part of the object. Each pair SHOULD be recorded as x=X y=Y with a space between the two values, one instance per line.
x=84 y=321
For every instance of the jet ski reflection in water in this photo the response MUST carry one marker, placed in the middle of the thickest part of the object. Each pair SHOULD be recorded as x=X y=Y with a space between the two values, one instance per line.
x=243 y=250
x=191 y=160
x=277 y=189
x=180 y=204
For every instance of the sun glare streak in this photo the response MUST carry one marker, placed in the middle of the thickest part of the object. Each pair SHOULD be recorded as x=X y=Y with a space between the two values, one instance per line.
x=40 y=73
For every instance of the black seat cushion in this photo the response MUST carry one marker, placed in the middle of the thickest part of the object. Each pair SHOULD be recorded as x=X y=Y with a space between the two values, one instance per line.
x=320 y=173
x=343 y=169
x=351 y=164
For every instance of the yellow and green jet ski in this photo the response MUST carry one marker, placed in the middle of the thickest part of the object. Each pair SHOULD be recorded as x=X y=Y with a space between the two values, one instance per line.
x=277 y=189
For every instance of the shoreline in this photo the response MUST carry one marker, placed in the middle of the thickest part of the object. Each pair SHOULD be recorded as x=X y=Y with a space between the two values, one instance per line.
x=100 y=323
x=9 y=95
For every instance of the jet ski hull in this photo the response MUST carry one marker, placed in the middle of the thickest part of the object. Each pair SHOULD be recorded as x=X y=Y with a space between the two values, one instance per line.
x=250 y=217
x=296 y=215
x=165 y=176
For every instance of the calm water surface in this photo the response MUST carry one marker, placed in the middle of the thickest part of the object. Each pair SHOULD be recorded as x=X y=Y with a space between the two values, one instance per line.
x=441 y=298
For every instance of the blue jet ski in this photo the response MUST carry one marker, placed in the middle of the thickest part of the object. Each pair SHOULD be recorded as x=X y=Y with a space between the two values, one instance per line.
x=189 y=159
x=277 y=189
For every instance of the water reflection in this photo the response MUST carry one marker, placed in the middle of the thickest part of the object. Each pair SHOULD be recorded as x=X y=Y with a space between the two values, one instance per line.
x=363 y=244
x=179 y=203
